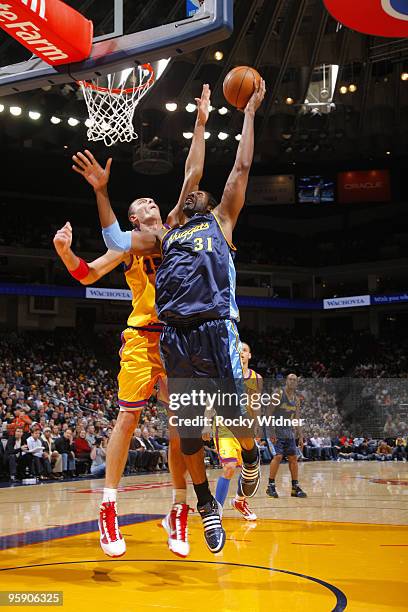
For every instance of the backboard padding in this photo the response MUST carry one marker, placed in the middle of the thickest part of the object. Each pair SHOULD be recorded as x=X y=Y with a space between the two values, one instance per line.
x=213 y=23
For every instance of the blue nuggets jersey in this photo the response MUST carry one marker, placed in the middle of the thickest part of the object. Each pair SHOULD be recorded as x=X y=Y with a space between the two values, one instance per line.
x=197 y=278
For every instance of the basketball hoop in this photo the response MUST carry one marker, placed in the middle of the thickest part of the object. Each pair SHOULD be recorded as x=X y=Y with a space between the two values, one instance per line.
x=112 y=103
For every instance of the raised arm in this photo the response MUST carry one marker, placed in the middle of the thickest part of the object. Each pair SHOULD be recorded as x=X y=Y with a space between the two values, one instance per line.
x=233 y=198
x=195 y=161
x=85 y=273
x=87 y=166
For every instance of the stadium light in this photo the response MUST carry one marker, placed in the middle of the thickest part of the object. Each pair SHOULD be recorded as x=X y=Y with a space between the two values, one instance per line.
x=188 y=135
x=190 y=108
x=289 y=101
x=207 y=135
x=34 y=115
x=223 y=110
x=1 y=108
x=89 y=123
x=352 y=88
x=343 y=90
x=171 y=106
x=73 y=122
x=404 y=76
x=15 y=111
x=223 y=136
x=238 y=137
x=218 y=55
x=55 y=120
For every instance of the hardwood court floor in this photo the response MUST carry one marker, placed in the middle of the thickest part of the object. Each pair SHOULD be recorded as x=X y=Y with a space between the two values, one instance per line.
x=345 y=547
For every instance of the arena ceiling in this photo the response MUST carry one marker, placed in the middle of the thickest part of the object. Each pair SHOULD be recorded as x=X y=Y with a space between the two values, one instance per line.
x=292 y=43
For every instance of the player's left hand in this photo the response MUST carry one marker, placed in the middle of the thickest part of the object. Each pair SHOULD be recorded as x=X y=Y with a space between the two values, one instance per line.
x=257 y=98
x=63 y=239
x=203 y=105
x=96 y=175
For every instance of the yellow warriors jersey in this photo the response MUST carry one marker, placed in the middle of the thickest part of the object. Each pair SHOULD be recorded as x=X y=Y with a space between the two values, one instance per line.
x=140 y=276
x=253 y=384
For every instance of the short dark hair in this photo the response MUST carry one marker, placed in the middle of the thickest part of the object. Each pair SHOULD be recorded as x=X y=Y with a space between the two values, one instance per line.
x=211 y=200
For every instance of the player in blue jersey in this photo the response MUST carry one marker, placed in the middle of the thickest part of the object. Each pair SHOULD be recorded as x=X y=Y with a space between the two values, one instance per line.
x=195 y=298
x=285 y=439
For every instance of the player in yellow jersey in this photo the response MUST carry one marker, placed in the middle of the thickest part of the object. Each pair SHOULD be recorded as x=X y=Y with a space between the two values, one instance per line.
x=140 y=364
x=228 y=447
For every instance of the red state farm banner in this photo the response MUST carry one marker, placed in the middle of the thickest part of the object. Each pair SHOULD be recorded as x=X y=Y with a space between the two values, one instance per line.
x=364 y=186
x=50 y=29
x=376 y=17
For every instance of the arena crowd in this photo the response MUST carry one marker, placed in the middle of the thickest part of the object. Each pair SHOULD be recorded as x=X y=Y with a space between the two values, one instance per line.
x=58 y=403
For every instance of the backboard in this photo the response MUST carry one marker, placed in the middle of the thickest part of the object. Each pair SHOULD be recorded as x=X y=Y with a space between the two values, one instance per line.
x=127 y=33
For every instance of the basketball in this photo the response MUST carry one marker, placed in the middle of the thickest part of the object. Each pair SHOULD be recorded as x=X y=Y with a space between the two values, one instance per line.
x=240 y=84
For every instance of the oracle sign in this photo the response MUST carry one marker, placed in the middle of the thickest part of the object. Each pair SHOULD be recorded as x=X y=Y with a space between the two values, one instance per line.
x=364 y=186
x=376 y=17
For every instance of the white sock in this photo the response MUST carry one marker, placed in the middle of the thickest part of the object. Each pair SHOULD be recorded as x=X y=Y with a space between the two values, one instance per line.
x=109 y=495
x=179 y=496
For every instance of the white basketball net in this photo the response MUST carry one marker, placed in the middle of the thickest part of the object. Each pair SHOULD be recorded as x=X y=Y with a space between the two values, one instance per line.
x=111 y=107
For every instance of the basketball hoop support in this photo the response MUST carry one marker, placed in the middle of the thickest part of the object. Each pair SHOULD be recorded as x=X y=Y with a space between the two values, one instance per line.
x=209 y=26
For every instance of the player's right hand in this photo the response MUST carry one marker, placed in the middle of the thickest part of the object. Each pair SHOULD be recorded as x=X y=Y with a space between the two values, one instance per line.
x=203 y=105
x=63 y=239
x=257 y=98
x=91 y=170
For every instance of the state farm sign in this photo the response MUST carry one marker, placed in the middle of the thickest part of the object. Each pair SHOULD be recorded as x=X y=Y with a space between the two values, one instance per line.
x=364 y=186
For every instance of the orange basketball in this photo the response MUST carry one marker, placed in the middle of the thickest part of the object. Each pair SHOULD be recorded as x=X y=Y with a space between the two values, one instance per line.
x=240 y=84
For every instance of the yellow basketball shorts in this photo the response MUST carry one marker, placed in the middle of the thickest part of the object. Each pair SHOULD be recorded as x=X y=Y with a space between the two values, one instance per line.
x=140 y=367
x=229 y=449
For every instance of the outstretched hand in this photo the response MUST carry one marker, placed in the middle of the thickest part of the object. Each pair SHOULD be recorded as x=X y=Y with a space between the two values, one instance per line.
x=91 y=170
x=257 y=98
x=63 y=239
x=203 y=105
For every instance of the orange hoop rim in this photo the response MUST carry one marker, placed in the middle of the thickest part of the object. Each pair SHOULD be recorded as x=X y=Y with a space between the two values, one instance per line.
x=117 y=91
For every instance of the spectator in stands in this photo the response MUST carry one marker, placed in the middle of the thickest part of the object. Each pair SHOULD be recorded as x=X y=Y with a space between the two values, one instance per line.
x=362 y=452
x=346 y=452
x=154 y=454
x=327 y=449
x=315 y=445
x=82 y=452
x=90 y=435
x=15 y=451
x=20 y=420
x=161 y=448
x=40 y=460
x=82 y=449
x=98 y=456
x=383 y=452
x=137 y=459
x=53 y=455
x=399 y=453
x=63 y=444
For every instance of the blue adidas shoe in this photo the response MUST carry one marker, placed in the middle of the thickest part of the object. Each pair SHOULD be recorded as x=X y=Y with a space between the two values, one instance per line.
x=211 y=515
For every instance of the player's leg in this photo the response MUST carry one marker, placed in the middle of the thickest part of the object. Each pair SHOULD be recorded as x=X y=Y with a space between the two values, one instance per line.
x=227 y=359
x=294 y=471
x=223 y=482
x=111 y=540
x=274 y=467
x=177 y=348
x=239 y=502
x=135 y=387
x=175 y=522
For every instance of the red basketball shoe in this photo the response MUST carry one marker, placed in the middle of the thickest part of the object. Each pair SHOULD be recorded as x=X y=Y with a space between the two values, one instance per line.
x=112 y=542
x=242 y=506
x=175 y=523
